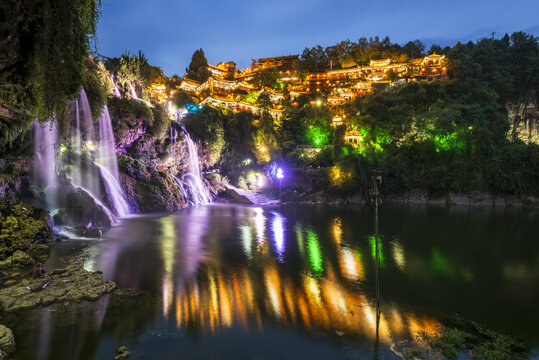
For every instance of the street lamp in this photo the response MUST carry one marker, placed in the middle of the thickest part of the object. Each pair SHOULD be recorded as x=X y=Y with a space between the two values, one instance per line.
x=280 y=176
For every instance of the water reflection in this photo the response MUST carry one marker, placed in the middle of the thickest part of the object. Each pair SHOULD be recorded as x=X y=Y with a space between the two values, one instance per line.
x=218 y=273
x=278 y=230
x=321 y=297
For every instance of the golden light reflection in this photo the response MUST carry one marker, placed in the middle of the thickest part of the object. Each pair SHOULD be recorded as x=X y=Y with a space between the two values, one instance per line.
x=350 y=264
x=398 y=254
x=337 y=230
x=223 y=297
x=227 y=299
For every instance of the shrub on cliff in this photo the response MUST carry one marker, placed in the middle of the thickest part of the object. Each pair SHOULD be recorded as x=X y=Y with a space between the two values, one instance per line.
x=22 y=227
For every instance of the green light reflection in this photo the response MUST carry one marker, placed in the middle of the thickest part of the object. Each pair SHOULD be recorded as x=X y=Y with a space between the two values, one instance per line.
x=315 y=255
x=372 y=241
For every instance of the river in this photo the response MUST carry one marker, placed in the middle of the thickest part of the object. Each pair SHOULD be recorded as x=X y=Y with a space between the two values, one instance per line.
x=292 y=282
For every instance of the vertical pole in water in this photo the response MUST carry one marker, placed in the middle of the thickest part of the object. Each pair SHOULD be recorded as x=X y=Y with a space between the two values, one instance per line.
x=376 y=177
x=377 y=247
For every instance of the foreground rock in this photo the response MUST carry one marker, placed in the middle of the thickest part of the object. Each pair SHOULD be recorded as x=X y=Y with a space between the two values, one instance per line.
x=18 y=260
x=122 y=352
x=7 y=342
x=72 y=283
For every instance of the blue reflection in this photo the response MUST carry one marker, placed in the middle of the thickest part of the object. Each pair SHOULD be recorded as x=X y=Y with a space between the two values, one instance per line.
x=278 y=229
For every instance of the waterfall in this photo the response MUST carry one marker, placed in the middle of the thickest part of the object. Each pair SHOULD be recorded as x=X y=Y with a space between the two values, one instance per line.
x=115 y=90
x=45 y=138
x=193 y=179
x=93 y=166
x=83 y=173
x=108 y=164
x=133 y=93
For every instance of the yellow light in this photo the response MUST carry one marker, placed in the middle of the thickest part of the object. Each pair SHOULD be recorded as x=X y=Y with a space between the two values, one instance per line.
x=263 y=149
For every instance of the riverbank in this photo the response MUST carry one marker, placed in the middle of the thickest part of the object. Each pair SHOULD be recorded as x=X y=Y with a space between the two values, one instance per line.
x=473 y=198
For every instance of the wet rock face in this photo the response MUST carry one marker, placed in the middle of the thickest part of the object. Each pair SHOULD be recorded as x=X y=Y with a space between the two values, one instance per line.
x=81 y=210
x=72 y=283
x=152 y=189
x=7 y=342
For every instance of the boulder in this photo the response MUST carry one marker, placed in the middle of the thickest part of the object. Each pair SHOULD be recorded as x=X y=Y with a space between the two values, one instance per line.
x=7 y=342
x=80 y=210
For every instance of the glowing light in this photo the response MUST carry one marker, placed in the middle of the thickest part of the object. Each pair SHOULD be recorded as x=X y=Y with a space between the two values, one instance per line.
x=260 y=180
x=280 y=174
x=263 y=149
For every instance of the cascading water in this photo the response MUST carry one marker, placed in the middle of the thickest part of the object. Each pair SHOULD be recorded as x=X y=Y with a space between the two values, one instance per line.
x=108 y=164
x=93 y=166
x=193 y=179
x=133 y=92
x=83 y=173
x=45 y=137
x=115 y=90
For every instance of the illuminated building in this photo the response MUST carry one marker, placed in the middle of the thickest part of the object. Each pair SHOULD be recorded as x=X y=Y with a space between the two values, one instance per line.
x=353 y=137
x=336 y=121
x=223 y=70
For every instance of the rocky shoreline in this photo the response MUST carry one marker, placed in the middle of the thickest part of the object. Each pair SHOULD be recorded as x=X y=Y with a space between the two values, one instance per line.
x=473 y=199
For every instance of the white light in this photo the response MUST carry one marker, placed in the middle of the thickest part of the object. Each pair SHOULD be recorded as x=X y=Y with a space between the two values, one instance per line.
x=280 y=174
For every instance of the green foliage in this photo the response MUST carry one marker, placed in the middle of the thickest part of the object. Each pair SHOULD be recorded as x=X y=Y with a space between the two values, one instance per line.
x=268 y=77
x=182 y=98
x=317 y=135
x=45 y=50
x=208 y=126
x=481 y=343
x=161 y=121
x=347 y=54
x=132 y=109
x=198 y=68
x=252 y=96
x=95 y=86
x=22 y=227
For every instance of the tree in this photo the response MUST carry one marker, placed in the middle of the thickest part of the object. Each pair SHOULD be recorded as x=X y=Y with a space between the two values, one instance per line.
x=198 y=68
x=435 y=49
x=267 y=77
x=414 y=49
x=182 y=98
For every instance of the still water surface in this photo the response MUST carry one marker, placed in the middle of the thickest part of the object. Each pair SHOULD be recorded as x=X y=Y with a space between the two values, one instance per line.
x=237 y=282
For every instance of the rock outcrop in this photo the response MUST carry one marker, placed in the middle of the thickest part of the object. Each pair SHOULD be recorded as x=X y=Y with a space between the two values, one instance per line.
x=72 y=283
x=7 y=342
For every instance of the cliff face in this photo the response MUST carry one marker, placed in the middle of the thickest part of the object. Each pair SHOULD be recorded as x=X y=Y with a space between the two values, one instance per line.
x=524 y=120
x=151 y=166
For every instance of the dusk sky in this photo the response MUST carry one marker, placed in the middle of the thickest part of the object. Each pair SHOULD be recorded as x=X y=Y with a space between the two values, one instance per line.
x=168 y=31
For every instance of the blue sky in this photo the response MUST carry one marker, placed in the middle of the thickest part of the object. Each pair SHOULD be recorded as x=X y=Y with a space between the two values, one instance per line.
x=169 y=31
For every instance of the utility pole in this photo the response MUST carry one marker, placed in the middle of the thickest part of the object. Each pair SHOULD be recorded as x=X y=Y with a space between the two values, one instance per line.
x=376 y=175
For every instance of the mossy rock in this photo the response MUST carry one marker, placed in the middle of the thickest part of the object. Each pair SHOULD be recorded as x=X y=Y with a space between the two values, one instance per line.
x=18 y=260
x=7 y=341
x=71 y=284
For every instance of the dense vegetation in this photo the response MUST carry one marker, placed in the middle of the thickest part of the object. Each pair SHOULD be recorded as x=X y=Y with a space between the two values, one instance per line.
x=440 y=136
x=347 y=53
x=43 y=60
